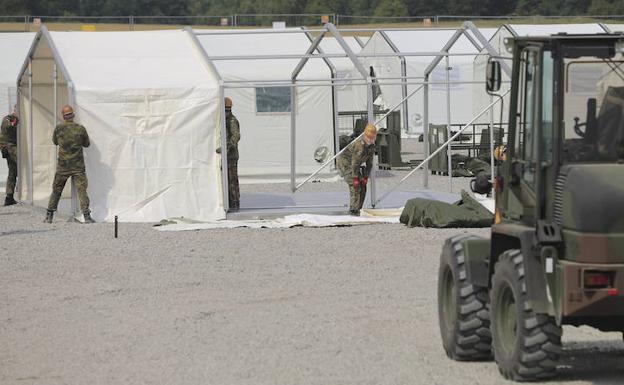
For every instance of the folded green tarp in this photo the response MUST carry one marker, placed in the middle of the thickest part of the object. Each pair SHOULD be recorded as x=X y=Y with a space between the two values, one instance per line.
x=431 y=213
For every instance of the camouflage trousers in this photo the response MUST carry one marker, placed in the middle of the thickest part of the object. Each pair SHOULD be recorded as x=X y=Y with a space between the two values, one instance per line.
x=11 y=157
x=233 y=189
x=81 y=185
x=356 y=195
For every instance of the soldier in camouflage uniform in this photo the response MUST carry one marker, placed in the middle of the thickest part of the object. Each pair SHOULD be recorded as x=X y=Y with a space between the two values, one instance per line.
x=361 y=150
x=70 y=138
x=8 y=147
x=233 y=136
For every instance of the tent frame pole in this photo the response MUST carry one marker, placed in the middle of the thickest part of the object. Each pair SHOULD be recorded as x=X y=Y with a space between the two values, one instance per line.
x=449 y=155
x=31 y=153
x=492 y=167
x=224 y=160
x=293 y=136
x=426 y=146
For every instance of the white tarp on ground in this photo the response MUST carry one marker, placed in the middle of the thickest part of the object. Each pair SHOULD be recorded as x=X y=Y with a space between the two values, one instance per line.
x=368 y=217
x=480 y=98
x=264 y=112
x=14 y=48
x=425 y=40
x=151 y=108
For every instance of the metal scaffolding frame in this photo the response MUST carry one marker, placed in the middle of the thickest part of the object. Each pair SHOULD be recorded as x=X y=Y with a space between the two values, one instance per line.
x=315 y=52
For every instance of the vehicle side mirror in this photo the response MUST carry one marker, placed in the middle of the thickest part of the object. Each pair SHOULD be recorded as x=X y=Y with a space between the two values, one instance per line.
x=493 y=76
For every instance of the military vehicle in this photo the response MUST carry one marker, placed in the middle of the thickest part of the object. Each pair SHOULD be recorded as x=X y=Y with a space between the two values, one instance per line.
x=556 y=251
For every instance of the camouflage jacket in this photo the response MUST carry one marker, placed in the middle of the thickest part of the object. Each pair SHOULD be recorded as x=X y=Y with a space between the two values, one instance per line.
x=71 y=138
x=354 y=155
x=8 y=131
x=233 y=135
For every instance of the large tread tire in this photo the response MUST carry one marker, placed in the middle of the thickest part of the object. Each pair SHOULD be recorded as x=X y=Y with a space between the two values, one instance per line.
x=526 y=346
x=463 y=309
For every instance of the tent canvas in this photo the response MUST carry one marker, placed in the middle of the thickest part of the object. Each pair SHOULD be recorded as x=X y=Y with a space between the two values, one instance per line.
x=346 y=94
x=425 y=40
x=615 y=27
x=264 y=111
x=15 y=47
x=151 y=108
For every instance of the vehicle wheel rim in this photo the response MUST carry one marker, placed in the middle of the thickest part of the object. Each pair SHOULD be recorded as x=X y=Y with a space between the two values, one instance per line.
x=507 y=319
x=449 y=299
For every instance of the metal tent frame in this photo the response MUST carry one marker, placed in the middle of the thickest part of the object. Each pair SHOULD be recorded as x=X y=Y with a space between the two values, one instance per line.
x=315 y=52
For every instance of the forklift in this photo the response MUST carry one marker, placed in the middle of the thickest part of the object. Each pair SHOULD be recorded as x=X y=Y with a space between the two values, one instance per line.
x=555 y=255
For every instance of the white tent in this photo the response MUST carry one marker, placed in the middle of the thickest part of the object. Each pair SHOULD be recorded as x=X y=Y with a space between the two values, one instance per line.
x=424 y=41
x=264 y=111
x=347 y=99
x=480 y=98
x=15 y=47
x=151 y=107
x=615 y=27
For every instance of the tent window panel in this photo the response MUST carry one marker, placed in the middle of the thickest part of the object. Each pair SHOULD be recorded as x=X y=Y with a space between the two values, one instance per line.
x=273 y=99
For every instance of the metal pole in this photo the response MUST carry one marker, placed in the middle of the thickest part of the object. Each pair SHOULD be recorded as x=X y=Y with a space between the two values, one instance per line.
x=370 y=119
x=428 y=158
x=31 y=156
x=341 y=151
x=426 y=131
x=448 y=123
x=493 y=175
x=18 y=105
x=224 y=165
x=293 y=137
x=55 y=76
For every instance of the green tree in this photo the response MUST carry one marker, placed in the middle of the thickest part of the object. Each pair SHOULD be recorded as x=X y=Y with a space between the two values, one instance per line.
x=391 y=8
x=606 y=7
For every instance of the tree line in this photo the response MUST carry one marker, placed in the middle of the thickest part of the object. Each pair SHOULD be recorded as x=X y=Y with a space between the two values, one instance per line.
x=343 y=7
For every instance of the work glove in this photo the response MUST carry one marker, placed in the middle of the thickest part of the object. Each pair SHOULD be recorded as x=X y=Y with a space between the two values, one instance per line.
x=364 y=181
x=356 y=182
x=218 y=150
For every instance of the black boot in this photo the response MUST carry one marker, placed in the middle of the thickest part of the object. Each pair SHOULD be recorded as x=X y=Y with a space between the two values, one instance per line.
x=234 y=207
x=49 y=216
x=8 y=201
x=87 y=218
x=354 y=212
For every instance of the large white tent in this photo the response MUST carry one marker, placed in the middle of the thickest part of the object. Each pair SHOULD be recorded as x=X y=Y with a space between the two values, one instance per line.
x=614 y=27
x=424 y=41
x=347 y=99
x=15 y=47
x=150 y=104
x=263 y=104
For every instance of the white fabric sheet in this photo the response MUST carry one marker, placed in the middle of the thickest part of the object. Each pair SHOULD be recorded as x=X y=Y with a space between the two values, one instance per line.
x=305 y=220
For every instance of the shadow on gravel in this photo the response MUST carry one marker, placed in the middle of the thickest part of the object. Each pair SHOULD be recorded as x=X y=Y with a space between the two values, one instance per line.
x=21 y=232
x=600 y=362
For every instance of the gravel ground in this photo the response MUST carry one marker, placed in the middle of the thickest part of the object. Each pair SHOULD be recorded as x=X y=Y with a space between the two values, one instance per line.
x=350 y=305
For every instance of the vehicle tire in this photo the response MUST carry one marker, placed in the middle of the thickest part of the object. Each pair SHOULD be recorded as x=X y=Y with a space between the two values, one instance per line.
x=526 y=345
x=462 y=308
